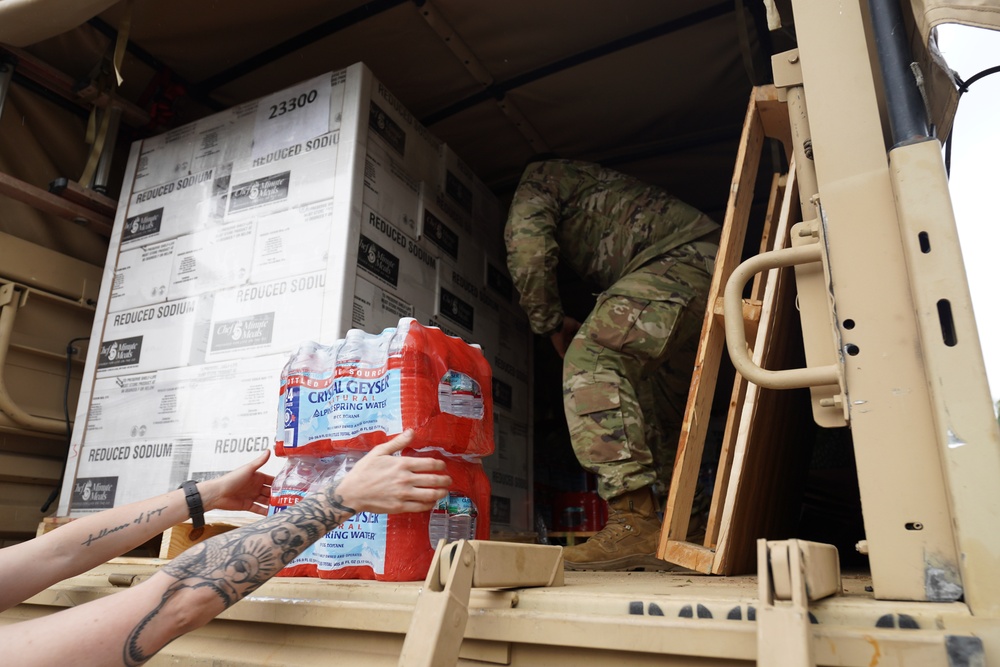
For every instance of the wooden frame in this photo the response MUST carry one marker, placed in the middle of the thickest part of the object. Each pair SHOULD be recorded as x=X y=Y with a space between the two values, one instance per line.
x=766 y=117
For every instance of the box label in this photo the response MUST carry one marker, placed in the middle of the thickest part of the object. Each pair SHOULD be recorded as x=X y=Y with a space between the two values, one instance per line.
x=243 y=332
x=499 y=509
x=440 y=235
x=458 y=191
x=381 y=124
x=503 y=393
x=120 y=353
x=259 y=192
x=497 y=281
x=144 y=224
x=94 y=493
x=457 y=310
x=378 y=261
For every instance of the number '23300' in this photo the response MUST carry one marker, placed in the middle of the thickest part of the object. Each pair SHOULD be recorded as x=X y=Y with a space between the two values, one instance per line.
x=291 y=104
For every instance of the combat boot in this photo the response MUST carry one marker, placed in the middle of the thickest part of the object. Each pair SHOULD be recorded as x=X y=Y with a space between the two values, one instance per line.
x=628 y=541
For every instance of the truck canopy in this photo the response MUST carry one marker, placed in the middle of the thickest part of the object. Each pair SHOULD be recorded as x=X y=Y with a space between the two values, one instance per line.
x=657 y=90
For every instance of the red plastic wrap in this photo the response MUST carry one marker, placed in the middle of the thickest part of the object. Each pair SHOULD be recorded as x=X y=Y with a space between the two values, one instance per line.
x=366 y=388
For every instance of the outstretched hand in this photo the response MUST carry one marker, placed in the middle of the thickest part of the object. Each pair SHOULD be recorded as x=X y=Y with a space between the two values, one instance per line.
x=382 y=483
x=245 y=488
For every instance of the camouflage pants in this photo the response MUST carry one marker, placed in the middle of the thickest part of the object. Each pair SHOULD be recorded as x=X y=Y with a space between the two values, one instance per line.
x=627 y=371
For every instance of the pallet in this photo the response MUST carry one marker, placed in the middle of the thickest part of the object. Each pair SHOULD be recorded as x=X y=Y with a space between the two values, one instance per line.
x=50 y=523
x=178 y=538
x=766 y=117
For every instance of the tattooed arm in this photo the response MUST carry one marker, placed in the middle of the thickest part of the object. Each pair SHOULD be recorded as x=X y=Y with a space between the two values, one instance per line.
x=130 y=627
x=81 y=545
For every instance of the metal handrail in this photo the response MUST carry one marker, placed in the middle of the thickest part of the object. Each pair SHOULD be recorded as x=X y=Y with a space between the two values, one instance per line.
x=736 y=340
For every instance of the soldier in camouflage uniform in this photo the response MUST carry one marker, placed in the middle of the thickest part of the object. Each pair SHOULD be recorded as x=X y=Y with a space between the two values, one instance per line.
x=627 y=367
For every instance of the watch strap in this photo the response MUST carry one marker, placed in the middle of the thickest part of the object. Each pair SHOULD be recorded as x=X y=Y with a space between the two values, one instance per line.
x=196 y=509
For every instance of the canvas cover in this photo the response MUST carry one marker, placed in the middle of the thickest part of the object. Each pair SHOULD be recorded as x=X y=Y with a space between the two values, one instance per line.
x=654 y=89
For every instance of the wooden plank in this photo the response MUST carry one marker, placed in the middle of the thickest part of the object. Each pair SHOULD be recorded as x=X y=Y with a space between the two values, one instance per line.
x=775 y=201
x=50 y=523
x=697 y=412
x=724 y=467
x=766 y=450
x=67 y=87
x=737 y=429
x=178 y=538
x=692 y=556
x=49 y=203
x=90 y=199
x=774 y=117
x=751 y=316
x=751 y=309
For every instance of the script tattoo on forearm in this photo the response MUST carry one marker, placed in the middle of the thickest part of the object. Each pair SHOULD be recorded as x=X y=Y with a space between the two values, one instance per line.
x=237 y=563
x=144 y=517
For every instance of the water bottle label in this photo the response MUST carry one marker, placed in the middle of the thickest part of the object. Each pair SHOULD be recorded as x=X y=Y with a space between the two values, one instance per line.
x=359 y=541
x=291 y=410
x=354 y=401
x=461 y=505
x=283 y=499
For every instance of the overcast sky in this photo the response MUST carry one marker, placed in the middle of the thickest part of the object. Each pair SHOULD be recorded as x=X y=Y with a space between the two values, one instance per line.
x=975 y=179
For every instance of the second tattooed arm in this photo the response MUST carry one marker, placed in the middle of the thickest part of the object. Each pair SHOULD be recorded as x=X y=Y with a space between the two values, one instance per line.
x=214 y=575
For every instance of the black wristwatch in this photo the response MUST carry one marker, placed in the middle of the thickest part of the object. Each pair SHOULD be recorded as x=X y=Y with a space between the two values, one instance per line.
x=195 y=508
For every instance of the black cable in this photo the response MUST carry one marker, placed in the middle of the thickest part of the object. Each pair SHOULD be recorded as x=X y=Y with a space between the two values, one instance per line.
x=70 y=351
x=963 y=87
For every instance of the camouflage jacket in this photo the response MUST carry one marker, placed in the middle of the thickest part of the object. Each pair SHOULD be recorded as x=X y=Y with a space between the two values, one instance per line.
x=600 y=223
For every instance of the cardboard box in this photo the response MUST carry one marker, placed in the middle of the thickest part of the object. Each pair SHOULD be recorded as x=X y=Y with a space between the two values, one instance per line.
x=376 y=308
x=292 y=241
x=211 y=259
x=118 y=473
x=497 y=282
x=292 y=217
x=165 y=335
x=142 y=276
x=390 y=190
x=205 y=399
x=395 y=261
x=510 y=475
x=260 y=319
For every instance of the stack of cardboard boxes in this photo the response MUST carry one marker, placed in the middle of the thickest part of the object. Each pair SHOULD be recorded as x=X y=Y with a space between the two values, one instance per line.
x=296 y=217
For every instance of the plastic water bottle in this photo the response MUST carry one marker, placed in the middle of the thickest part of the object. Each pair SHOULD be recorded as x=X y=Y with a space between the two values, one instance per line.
x=366 y=388
x=307 y=364
x=460 y=395
x=461 y=518
x=292 y=483
x=332 y=469
x=438 y=525
x=452 y=519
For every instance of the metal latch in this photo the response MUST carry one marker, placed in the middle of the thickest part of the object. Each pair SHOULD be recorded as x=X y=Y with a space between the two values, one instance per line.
x=790 y=574
x=442 y=609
